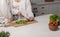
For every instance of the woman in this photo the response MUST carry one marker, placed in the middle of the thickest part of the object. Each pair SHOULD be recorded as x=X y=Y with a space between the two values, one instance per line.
x=22 y=8
x=4 y=10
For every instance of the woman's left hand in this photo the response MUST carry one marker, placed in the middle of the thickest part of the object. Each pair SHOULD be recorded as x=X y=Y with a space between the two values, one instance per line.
x=30 y=19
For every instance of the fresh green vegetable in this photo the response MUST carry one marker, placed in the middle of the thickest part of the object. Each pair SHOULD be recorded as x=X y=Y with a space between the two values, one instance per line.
x=21 y=22
x=54 y=17
x=4 y=34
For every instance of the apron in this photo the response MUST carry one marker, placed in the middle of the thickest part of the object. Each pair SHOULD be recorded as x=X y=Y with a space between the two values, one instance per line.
x=24 y=7
x=15 y=10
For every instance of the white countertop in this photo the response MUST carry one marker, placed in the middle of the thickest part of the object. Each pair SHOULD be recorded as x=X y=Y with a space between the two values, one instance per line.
x=39 y=29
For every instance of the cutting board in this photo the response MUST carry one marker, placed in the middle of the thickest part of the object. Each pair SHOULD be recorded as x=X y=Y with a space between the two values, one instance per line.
x=14 y=24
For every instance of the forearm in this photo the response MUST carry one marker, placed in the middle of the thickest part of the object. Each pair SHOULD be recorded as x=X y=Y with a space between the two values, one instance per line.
x=27 y=13
x=29 y=9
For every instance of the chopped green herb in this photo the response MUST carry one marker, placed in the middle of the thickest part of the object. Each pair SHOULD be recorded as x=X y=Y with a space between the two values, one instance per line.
x=21 y=22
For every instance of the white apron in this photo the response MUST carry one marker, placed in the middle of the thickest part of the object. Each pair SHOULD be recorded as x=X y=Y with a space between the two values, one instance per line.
x=24 y=7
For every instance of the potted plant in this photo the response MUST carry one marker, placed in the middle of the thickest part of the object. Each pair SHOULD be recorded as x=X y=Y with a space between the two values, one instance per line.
x=53 y=23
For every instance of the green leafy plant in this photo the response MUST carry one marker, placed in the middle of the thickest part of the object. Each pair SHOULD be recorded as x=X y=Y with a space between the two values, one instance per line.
x=4 y=34
x=54 y=17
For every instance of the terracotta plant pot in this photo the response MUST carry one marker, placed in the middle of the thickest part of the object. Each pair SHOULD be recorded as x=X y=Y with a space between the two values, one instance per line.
x=53 y=26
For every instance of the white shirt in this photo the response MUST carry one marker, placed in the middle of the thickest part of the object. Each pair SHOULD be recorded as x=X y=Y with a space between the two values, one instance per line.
x=4 y=9
x=4 y=12
x=24 y=7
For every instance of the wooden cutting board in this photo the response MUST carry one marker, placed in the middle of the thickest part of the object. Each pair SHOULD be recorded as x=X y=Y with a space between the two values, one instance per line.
x=14 y=24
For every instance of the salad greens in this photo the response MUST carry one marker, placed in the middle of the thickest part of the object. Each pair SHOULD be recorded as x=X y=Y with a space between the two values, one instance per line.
x=21 y=22
x=4 y=34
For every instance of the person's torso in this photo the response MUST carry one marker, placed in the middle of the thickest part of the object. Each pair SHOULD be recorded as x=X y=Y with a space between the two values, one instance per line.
x=18 y=6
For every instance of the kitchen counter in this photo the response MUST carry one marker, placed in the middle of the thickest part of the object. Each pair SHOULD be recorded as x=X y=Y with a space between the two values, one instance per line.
x=40 y=29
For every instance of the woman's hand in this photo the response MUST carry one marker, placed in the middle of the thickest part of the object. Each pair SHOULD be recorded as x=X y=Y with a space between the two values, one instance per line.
x=30 y=18
x=10 y=20
x=19 y=14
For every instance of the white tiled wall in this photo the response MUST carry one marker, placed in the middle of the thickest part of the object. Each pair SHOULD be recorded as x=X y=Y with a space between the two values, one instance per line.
x=42 y=1
x=48 y=8
x=38 y=1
